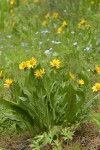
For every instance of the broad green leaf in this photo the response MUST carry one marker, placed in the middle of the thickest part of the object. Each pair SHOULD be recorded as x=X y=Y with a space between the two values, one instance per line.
x=27 y=119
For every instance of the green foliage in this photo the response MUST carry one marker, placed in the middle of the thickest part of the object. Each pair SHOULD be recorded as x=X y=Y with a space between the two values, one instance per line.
x=67 y=134
x=54 y=99
x=52 y=138
x=95 y=118
x=40 y=105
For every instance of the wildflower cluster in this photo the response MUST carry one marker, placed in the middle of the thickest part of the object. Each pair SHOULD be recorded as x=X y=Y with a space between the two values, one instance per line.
x=55 y=15
x=60 y=91
x=38 y=73
x=83 y=24
x=28 y=64
x=31 y=64
x=46 y=92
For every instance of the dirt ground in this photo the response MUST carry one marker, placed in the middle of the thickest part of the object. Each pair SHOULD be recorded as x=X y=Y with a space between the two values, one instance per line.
x=86 y=136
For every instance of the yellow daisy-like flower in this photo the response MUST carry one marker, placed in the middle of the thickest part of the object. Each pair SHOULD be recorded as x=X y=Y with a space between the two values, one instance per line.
x=55 y=15
x=99 y=4
x=81 y=82
x=44 y=23
x=96 y=87
x=12 y=2
x=97 y=69
x=82 y=22
x=71 y=75
x=39 y=73
x=64 y=24
x=59 y=30
x=1 y=74
x=55 y=63
x=23 y=65
x=8 y=83
x=47 y=15
x=31 y=63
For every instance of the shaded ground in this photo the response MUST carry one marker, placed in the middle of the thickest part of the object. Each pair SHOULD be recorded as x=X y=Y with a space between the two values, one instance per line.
x=87 y=137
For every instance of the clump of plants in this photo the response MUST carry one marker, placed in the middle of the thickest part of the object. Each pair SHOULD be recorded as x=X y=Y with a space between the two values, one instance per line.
x=50 y=101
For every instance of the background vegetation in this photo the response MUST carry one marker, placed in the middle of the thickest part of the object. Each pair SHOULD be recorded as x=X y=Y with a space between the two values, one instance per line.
x=67 y=30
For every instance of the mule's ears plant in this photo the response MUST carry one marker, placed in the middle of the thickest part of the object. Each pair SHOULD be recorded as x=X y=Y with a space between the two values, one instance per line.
x=48 y=97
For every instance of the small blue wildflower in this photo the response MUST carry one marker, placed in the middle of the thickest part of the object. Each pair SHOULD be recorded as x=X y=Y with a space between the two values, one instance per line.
x=8 y=36
x=75 y=43
x=55 y=42
x=87 y=48
x=47 y=52
x=40 y=43
x=23 y=44
x=72 y=32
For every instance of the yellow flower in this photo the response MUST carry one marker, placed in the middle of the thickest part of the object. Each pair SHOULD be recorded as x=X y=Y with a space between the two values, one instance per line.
x=92 y=2
x=1 y=74
x=71 y=75
x=31 y=63
x=36 y=1
x=97 y=69
x=8 y=83
x=23 y=65
x=44 y=23
x=55 y=15
x=12 y=2
x=82 y=22
x=96 y=87
x=55 y=63
x=99 y=4
x=42 y=71
x=47 y=15
x=88 y=26
x=59 y=30
x=39 y=73
x=80 y=82
x=64 y=23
